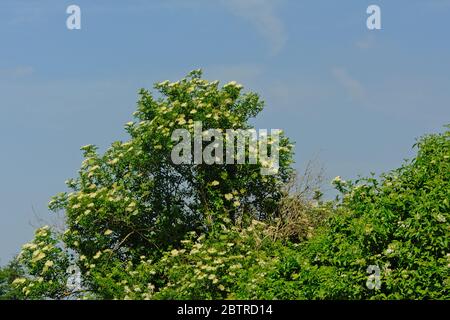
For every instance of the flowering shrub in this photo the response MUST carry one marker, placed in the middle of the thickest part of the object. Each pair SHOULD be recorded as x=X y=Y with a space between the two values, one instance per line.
x=215 y=267
x=230 y=263
x=141 y=227
x=133 y=201
x=45 y=267
x=399 y=223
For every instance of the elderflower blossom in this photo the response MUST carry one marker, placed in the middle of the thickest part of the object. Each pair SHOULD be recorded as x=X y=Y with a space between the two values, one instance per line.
x=48 y=264
x=19 y=281
x=337 y=179
x=229 y=196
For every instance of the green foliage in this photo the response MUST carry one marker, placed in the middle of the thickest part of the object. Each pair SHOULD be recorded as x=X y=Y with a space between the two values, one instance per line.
x=7 y=275
x=45 y=267
x=218 y=266
x=399 y=223
x=141 y=227
x=133 y=201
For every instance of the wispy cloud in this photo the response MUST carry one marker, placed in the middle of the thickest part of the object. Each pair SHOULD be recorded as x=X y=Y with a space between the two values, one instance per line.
x=262 y=15
x=353 y=87
x=22 y=71
x=17 y=72
x=366 y=43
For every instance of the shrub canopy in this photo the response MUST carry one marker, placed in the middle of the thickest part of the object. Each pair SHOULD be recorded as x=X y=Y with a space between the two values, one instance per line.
x=141 y=227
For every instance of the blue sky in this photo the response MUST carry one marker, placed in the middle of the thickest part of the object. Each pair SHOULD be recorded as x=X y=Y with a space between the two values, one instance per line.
x=351 y=98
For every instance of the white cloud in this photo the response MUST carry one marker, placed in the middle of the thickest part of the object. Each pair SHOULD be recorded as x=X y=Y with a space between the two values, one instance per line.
x=353 y=87
x=17 y=72
x=262 y=15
